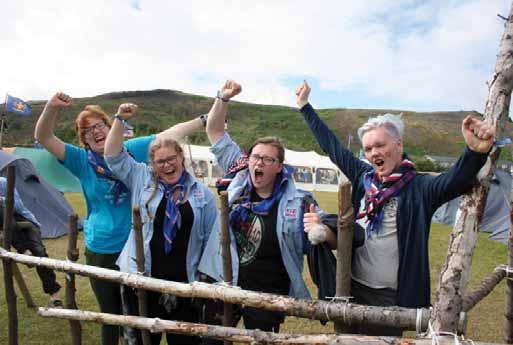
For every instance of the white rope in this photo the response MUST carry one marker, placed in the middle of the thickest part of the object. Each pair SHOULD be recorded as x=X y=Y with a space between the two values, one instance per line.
x=435 y=335
x=507 y=269
x=418 y=322
x=331 y=299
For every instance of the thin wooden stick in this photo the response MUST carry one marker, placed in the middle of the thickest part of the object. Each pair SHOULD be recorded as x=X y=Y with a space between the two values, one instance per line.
x=10 y=294
x=142 y=296
x=344 y=247
x=70 y=300
x=227 y=258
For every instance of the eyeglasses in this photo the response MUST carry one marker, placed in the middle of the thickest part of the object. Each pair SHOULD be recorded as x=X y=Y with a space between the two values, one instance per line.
x=100 y=125
x=255 y=158
x=162 y=162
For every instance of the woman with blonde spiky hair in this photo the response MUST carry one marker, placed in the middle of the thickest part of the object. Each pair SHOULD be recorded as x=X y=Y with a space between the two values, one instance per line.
x=178 y=213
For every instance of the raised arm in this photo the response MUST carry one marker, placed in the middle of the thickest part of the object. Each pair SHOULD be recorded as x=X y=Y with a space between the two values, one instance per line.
x=183 y=129
x=341 y=156
x=114 y=142
x=46 y=124
x=217 y=114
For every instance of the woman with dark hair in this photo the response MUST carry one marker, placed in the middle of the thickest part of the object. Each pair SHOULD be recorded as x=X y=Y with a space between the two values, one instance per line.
x=108 y=199
x=178 y=213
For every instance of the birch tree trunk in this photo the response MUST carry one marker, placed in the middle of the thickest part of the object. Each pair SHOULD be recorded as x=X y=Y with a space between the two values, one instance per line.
x=312 y=309
x=241 y=335
x=454 y=273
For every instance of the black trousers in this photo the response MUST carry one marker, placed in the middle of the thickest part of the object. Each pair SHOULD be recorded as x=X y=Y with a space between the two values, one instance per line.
x=379 y=297
x=29 y=237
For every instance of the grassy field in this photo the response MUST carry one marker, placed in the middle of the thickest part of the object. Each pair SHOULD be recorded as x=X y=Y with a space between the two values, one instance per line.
x=485 y=321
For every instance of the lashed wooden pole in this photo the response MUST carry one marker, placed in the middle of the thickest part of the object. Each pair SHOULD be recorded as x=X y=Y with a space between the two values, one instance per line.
x=226 y=255
x=487 y=285
x=10 y=294
x=70 y=301
x=313 y=309
x=142 y=296
x=344 y=246
x=455 y=271
x=242 y=335
x=508 y=312
x=22 y=285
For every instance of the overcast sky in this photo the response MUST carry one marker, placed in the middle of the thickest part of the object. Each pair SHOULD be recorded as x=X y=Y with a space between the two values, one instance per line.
x=396 y=54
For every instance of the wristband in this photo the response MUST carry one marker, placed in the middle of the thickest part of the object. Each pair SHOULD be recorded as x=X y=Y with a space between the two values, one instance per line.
x=117 y=116
x=220 y=96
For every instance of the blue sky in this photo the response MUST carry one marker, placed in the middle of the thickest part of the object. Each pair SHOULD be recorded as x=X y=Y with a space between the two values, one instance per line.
x=401 y=54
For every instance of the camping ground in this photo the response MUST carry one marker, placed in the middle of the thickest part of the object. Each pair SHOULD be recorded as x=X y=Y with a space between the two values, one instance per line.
x=485 y=320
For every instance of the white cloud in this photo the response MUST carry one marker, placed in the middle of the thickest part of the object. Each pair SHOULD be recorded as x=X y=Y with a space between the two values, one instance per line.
x=425 y=55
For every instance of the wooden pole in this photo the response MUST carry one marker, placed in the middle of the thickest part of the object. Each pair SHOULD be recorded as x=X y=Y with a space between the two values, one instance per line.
x=10 y=294
x=312 y=309
x=242 y=335
x=142 y=297
x=455 y=271
x=486 y=286
x=344 y=247
x=22 y=285
x=508 y=313
x=70 y=301
x=226 y=255
x=2 y=126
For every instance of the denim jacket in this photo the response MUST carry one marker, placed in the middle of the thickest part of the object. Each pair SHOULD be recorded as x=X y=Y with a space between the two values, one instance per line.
x=289 y=225
x=138 y=178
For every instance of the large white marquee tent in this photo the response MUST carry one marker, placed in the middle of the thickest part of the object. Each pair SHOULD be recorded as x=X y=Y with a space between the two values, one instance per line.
x=312 y=171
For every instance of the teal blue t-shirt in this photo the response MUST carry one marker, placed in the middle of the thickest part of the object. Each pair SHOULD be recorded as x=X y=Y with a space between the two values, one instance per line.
x=108 y=220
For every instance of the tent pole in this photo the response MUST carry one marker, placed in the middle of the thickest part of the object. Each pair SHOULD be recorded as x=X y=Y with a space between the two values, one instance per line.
x=2 y=131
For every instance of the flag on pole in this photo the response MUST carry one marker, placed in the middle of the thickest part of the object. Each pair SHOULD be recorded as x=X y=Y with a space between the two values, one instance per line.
x=17 y=106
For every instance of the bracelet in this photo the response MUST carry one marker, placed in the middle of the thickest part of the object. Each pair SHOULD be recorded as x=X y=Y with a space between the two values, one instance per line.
x=220 y=96
x=203 y=119
x=117 y=116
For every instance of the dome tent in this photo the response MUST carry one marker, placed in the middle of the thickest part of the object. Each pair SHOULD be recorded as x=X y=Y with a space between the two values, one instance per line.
x=46 y=203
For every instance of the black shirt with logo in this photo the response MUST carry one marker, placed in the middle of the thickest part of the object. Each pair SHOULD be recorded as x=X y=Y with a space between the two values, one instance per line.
x=261 y=265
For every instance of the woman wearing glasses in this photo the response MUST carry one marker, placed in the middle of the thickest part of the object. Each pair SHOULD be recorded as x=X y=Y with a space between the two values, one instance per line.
x=177 y=211
x=108 y=200
x=269 y=218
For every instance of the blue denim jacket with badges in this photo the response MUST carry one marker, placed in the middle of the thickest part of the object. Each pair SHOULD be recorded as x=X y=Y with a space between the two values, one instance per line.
x=289 y=225
x=138 y=177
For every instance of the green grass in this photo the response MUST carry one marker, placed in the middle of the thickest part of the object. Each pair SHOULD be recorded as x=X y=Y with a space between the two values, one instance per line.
x=485 y=320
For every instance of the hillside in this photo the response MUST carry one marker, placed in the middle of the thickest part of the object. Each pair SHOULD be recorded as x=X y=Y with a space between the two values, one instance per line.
x=436 y=133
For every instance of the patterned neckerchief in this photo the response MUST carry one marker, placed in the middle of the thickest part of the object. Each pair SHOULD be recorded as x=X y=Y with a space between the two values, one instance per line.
x=378 y=191
x=174 y=194
x=101 y=169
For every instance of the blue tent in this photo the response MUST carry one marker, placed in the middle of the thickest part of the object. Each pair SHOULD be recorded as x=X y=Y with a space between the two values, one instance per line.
x=42 y=199
x=497 y=211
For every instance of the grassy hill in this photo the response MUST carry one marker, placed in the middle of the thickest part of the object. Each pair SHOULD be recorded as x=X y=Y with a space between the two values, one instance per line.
x=436 y=133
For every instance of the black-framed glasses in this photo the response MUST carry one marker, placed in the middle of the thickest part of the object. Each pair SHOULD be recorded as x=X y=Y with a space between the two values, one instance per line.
x=254 y=158
x=100 y=125
x=169 y=160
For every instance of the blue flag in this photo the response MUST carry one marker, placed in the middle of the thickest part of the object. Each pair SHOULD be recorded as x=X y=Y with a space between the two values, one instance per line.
x=17 y=106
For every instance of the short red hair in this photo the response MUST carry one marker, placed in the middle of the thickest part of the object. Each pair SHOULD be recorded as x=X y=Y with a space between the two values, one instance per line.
x=89 y=112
